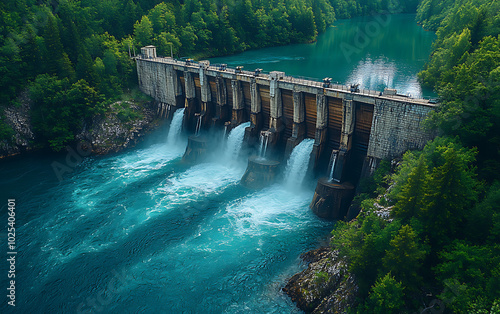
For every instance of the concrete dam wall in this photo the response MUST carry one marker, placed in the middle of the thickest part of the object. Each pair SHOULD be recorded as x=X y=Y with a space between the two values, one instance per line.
x=356 y=128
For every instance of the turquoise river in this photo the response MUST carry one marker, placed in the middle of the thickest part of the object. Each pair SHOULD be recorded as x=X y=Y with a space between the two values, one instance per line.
x=141 y=232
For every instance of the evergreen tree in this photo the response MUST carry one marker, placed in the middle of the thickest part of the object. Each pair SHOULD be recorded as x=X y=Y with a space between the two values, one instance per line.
x=54 y=59
x=143 y=32
x=129 y=17
x=386 y=296
x=31 y=55
x=411 y=198
x=453 y=192
x=84 y=65
x=404 y=257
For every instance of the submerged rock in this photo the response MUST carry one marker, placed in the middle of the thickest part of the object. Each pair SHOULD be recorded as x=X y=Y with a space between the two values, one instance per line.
x=325 y=286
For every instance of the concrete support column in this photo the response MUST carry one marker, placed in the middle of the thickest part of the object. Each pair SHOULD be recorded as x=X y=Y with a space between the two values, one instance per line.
x=174 y=96
x=321 y=128
x=206 y=110
x=173 y=88
x=221 y=109
x=299 y=125
x=276 y=126
x=190 y=102
x=166 y=110
x=206 y=94
x=275 y=102
x=159 y=112
x=238 y=103
x=252 y=132
x=348 y=119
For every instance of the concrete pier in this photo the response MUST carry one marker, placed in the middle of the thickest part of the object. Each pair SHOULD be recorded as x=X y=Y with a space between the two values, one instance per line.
x=276 y=107
x=222 y=108
x=260 y=173
x=321 y=134
x=332 y=200
x=206 y=106
x=252 y=132
x=237 y=116
x=191 y=102
x=299 y=125
x=196 y=149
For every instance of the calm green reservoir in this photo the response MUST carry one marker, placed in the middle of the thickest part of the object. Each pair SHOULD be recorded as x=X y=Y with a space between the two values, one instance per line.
x=141 y=232
x=375 y=51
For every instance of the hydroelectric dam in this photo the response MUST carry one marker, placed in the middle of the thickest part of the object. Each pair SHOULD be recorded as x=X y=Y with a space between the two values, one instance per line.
x=353 y=129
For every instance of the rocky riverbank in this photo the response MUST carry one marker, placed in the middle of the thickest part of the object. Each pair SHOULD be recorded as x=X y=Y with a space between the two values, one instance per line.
x=18 y=118
x=325 y=286
x=106 y=133
x=109 y=133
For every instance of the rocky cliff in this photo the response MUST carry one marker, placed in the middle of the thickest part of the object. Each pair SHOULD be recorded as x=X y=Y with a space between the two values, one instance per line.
x=18 y=118
x=108 y=133
x=105 y=134
x=325 y=286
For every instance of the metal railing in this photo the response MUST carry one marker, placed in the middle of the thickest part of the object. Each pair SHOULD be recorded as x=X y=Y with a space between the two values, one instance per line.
x=300 y=80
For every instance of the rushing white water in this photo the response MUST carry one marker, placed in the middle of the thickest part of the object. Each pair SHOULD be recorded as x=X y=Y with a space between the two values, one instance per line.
x=173 y=233
x=225 y=133
x=235 y=141
x=261 y=146
x=176 y=126
x=333 y=159
x=298 y=163
x=264 y=139
x=198 y=125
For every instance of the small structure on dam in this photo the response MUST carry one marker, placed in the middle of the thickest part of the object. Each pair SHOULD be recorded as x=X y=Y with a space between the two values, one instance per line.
x=358 y=127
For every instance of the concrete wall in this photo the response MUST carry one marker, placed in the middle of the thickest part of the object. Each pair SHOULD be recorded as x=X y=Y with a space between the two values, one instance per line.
x=396 y=128
x=313 y=110
x=159 y=80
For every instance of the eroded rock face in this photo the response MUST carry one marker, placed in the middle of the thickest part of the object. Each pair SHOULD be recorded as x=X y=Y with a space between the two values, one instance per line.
x=108 y=134
x=105 y=134
x=325 y=286
x=18 y=118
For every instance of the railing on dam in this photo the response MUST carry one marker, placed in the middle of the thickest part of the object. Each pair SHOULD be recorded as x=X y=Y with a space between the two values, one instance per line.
x=307 y=82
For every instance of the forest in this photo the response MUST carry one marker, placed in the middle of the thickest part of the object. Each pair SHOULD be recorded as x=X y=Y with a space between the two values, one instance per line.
x=72 y=59
x=79 y=50
x=442 y=238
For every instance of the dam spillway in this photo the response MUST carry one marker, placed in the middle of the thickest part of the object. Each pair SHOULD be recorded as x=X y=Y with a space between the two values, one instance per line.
x=384 y=125
x=362 y=127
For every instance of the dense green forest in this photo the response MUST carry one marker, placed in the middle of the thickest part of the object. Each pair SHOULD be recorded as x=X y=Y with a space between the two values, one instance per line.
x=65 y=45
x=440 y=249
